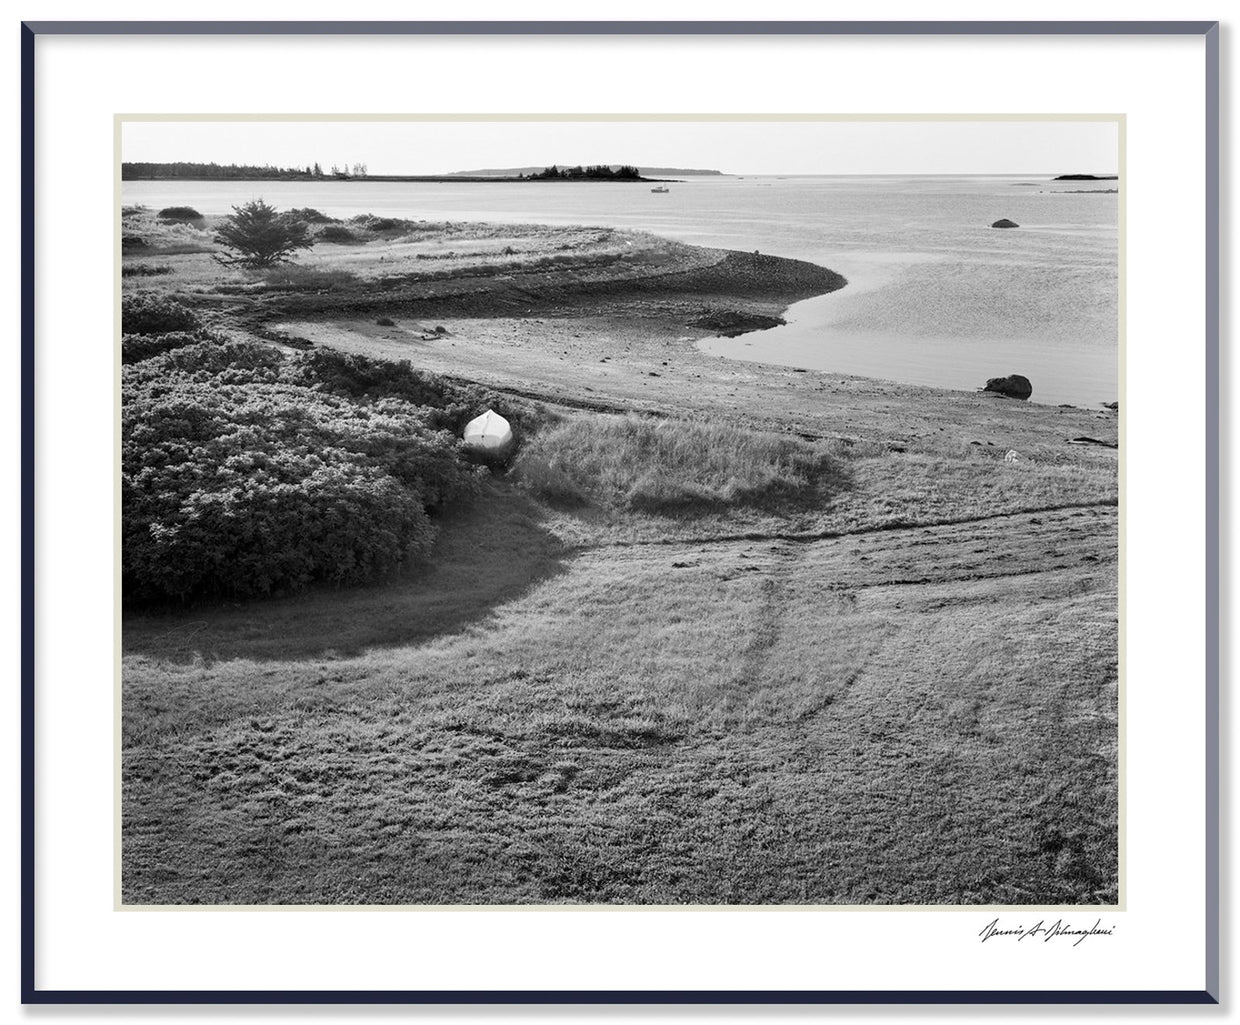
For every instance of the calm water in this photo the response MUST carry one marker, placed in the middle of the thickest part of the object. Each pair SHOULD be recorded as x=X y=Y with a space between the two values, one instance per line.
x=935 y=296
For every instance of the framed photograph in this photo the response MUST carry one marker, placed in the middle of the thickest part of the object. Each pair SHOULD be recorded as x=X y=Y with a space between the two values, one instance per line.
x=570 y=535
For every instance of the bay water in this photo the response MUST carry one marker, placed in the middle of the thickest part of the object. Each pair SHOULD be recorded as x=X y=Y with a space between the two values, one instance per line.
x=935 y=296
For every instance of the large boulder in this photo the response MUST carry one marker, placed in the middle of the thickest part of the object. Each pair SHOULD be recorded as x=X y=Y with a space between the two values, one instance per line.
x=1014 y=387
x=1003 y=222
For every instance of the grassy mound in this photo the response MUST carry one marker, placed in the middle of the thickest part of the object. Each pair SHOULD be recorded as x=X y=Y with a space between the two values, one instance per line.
x=672 y=467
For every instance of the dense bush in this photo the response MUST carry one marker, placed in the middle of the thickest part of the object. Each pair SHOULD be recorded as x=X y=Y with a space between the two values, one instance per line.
x=382 y=224
x=387 y=224
x=150 y=313
x=135 y=348
x=242 y=475
x=179 y=213
x=144 y=270
x=212 y=361
x=310 y=215
x=338 y=233
x=450 y=405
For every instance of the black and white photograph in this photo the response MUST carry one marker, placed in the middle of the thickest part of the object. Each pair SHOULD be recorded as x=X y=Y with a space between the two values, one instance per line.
x=605 y=511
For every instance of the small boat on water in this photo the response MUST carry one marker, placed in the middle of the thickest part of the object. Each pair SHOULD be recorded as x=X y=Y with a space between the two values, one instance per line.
x=660 y=188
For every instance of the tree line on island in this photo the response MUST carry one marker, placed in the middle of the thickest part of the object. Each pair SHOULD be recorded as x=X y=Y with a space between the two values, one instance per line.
x=595 y=172
x=136 y=170
x=186 y=170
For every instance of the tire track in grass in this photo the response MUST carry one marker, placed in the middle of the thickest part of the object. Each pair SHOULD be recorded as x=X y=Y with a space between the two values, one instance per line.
x=767 y=626
x=810 y=537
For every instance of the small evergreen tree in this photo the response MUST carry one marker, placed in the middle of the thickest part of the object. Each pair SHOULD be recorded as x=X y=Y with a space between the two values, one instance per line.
x=258 y=236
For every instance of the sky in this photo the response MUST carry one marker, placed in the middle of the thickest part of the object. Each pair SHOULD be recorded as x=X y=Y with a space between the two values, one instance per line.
x=746 y=147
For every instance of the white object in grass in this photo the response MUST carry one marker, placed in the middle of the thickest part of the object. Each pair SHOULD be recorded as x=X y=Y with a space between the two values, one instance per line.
x=488 y=431
x=1012 y=456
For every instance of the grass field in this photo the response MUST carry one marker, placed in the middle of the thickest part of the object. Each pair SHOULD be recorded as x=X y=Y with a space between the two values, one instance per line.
x=874 y=663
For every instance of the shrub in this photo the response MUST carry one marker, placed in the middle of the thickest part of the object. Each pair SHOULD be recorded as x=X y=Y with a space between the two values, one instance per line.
x=296 y=276
x=310 y=215
x=150 y=313
x=448 y=405
x=338 y=233
x=237 y=482
x=212 y=360
x=132 y=242
x=144 y=270
x=256 y=235
x=672 y=467
x=135 y=348
x=382 y=224
x=179 y=213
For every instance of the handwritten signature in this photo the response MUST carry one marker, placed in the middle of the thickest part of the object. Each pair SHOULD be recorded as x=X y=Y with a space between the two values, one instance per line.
x=1059 y=929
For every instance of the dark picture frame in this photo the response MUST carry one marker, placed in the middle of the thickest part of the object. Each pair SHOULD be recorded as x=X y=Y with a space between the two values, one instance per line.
x=1208 y=32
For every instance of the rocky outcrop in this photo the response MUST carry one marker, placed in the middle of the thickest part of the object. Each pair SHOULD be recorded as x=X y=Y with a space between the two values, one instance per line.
x=731 y=323
x=1003 y=222
x=1014 y=387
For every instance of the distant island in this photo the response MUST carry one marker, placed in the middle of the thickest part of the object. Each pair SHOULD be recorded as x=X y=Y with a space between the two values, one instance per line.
x=593 y=173
x=1086 y=178
x=186 y=170
x=525 y=172
x=189 y=171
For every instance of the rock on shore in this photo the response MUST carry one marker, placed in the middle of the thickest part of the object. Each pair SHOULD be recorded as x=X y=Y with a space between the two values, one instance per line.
x=730 y=323
x=1016 y=386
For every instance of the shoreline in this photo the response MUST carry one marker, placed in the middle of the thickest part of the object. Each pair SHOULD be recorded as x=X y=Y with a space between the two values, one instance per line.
x=585 y=316
x=699 y=275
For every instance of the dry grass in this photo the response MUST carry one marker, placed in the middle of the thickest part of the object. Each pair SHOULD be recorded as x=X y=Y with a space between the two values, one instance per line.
x=298 y=277
x=673 y=467
x=166 y=237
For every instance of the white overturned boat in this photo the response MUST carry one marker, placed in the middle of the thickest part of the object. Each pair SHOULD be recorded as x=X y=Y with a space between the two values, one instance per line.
x=488 y=432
